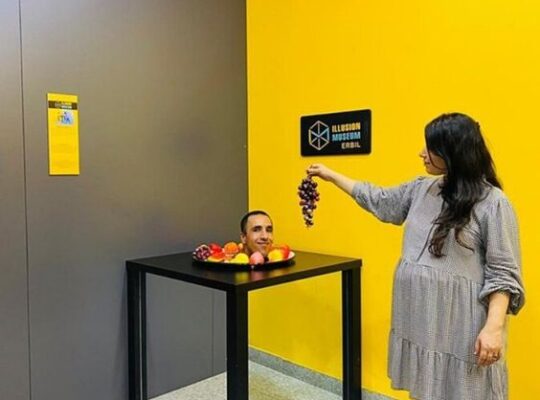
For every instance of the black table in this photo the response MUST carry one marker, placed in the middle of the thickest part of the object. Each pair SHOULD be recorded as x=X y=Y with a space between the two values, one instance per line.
x=237 y=284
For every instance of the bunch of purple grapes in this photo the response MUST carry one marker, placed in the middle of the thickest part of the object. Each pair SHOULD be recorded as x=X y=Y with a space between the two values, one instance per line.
x=309 y=196
x=202 y=252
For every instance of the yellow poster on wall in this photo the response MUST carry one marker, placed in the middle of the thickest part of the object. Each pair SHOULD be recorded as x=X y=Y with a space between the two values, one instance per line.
x=63 y=122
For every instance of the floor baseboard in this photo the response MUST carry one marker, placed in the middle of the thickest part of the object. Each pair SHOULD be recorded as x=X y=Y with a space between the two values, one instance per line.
x=307 y=375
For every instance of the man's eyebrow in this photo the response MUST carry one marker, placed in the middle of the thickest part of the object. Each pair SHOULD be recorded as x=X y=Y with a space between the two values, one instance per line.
x=260 y=227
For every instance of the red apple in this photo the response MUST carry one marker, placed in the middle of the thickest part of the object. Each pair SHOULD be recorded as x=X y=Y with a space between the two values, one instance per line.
x=286 y=250
x=215 y=248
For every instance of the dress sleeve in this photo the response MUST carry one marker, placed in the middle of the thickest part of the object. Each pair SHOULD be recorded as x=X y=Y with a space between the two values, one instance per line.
x=387 y=204
x=503 y=256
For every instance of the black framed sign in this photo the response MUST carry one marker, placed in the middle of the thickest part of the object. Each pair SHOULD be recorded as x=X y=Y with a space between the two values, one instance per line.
x=339 y=133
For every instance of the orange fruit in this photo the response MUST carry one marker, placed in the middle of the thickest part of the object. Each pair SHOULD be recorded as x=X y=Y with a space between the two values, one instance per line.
x=231 y=248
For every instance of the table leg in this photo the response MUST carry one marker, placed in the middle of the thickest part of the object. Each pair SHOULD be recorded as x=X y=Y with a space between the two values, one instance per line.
x=350 y=289
x=237 y=345
x=137 y=334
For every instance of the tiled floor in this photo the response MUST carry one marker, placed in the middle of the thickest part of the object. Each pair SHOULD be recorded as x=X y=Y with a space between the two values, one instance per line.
x=264 y=384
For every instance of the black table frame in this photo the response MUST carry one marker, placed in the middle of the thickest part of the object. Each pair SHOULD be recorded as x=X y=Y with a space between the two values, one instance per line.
x=175 y=267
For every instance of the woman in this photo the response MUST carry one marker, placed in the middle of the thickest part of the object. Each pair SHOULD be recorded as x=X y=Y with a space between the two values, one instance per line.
x=459 y=273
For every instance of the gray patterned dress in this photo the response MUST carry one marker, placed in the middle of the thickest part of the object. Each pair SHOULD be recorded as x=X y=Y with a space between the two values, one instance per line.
x=440 y=304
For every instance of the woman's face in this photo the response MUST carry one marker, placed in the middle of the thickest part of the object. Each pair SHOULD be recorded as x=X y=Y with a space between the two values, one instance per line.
x=434 y=164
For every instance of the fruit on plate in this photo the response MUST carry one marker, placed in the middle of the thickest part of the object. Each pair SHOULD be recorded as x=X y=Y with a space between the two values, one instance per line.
x=232 y=252
x=285 y=250
x=215 y=248
x=216 y=257
x=256 y=258
x=275 y=255
x=231 y=248
x=202 y=252
x=240 y=258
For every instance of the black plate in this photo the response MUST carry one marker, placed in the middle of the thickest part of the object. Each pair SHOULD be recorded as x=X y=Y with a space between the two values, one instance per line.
x=240 y=267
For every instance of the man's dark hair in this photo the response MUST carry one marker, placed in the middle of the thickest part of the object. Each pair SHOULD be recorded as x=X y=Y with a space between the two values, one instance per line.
x=244 y=220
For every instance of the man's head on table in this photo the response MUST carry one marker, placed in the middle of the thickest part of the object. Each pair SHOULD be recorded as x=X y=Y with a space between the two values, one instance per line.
x=257 y=232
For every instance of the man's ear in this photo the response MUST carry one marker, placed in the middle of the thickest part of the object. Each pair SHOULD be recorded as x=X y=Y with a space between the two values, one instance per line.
x=243 y=238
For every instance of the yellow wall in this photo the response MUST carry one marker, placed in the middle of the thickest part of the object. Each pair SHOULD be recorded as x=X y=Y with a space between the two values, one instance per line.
x=408 y=61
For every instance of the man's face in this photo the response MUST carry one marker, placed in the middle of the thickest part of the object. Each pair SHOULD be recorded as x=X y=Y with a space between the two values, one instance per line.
x=259 y=234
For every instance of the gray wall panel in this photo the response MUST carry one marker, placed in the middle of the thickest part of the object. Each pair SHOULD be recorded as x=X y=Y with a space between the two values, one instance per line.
x=14 y=373
x=188 y=357
x=220 y=332
x=162 y=95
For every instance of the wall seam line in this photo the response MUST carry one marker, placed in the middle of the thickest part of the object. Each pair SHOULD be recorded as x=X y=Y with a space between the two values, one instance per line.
x=25 y=205
x=213 y=316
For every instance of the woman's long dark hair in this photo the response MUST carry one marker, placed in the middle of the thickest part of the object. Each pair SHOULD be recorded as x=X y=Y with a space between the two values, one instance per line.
x=457 y=139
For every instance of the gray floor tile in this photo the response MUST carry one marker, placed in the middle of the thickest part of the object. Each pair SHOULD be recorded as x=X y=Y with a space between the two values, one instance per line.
x=264 y=384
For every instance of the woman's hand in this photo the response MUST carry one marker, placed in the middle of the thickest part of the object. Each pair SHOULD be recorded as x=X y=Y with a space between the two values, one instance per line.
x=489 y=344
x=488 y=347
x=320 y=170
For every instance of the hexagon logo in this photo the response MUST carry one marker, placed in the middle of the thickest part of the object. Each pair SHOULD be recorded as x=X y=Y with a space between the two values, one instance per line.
x=319 y=135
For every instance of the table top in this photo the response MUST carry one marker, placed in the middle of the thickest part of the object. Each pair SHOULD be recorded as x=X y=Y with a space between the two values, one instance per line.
x=181 y=266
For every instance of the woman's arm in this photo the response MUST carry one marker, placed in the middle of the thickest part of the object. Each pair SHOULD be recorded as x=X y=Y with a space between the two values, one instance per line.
x=489 y=344
x=389 y=204
x=341 y=181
